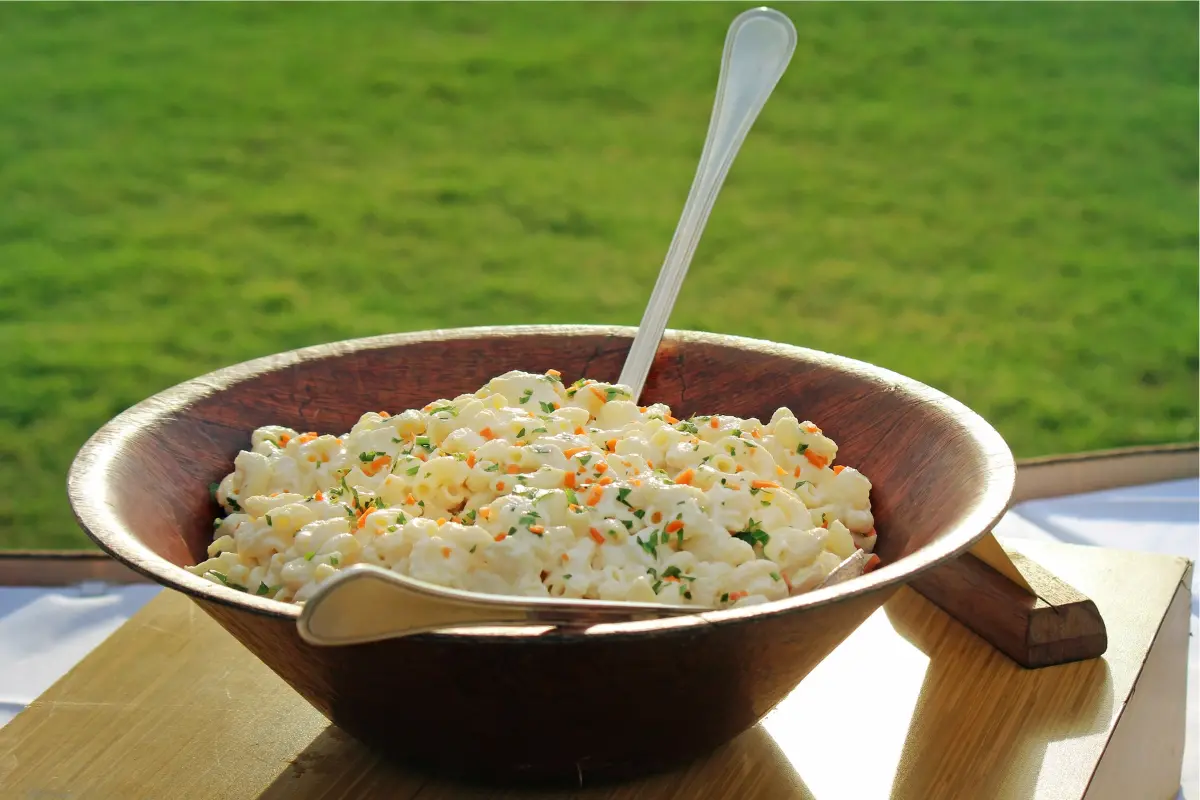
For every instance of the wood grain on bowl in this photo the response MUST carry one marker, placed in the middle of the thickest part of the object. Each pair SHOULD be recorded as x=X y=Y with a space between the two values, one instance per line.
x=535 y=703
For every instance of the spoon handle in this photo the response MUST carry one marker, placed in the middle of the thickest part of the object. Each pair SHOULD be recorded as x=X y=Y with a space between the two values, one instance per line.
x=366 y=603
x=758 y=47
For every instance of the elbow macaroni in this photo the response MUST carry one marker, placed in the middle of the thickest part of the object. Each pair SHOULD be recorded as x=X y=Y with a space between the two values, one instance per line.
x=530 y=487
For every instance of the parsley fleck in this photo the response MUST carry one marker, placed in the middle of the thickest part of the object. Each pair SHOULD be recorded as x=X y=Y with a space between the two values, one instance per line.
x=798 y=485
x=529 y=519
x=511 y=531
x=453 y=411
x=413 y=470
x=423 y=441
x=584 y=459
x=639 y=513
x=672 y=572
x=547 y=407
x=687 y=427
x=775 y=576
x=401 y=519
x=520 y=433
x=725 y=597
x=472 y=550
x=612 y=392
x=628 y=523
x=572 y=498
x=263 y=589
x=233 y=503
x=800 y=450
x=393 y=528
x=525 y=397
x=369 y=456
x=754 y=534
x=469 y=518
x=538 y=430
x=309 y=556
x=755 y=490
x=650 y=545
x=733 y=451
x=268 y=518
x=567 y=577
x=333 y=560
x=736 y=432
x=622 y=494
x=492 y=468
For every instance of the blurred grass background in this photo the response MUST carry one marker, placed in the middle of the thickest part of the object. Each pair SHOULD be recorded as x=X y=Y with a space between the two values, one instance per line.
x=997 y=199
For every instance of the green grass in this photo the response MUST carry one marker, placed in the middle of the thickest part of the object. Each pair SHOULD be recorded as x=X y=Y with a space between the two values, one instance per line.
x=997 y=199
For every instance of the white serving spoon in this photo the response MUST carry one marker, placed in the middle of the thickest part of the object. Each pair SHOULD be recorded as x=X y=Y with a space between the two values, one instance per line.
x=366 y=603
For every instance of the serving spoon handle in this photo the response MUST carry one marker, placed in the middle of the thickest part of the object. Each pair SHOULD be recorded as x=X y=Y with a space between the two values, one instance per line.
x=758 y=48
x=365 y=603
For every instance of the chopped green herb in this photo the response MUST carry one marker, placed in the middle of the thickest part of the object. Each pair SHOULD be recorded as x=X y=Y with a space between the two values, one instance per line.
x=413 y=470
x=520 y=433
x=749 y=444
x=725 y=597
x=584 y=459
x=686 y=593
x=370 y=456
x=567 y=577
x=622 y=494
x=232 y=502
x=393 y=528
x=525 y=397
x=764 y=502
x=612 y=392
x=572 y=498
x=639 y=512
x=492 y=468
x=529 y=519
x=309 y=556
x=800 y=450
x=227 y=582
x=755 y=490
x=754 y=534
x=423 y=441
x=672 y=572
x=263 y=589
x=511 y=531
x=798 y=485
x=657 y=585
x=736 y=432
x=679 y=538
x=687 y=427
x=650 y=545
x=775 y=576
x=733 y=451
x=547 y=407
x=268 y=519
x=397 y=441
x=628 y=523
x=400 y=518
x=453 y=411
x=469 y=518
x=472 y=550
x=706 y=459
x=539 y=430
x=333 y=560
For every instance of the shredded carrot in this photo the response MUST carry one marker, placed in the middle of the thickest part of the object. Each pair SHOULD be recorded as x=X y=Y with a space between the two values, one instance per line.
x=596 y=535
x=598 y=393
x=671 y=578
x=574 y=507
x=611 y=444
x=445 y=552
x=500 y=537
x=572 y=451
x=376 y=465
x=602 y=467
x=455 y=518
x=412 y=501
x=485 y=512
x=713 y=422
x=764 y=484
x=816 y=460
x=604 y=481
x=872 y=564
x=735 y=596
x=650 y=464
x=554 y=373
x=565 y=558
x=312 y=458
x=674 y=525
x=513 y=469
x=739 y=468
x=837 y=470
x=780 y=470
x=362 y=522
x=441 y=521
x=569 y=480
x=384 y=414
x=595 y=495
x=319 y=496
x=306 y=438
x=797 y=472
x=556 y=406
x=538 y=529
x=636 y=482
x=284 y=439
x=808 y=426
x=671 y=420
x=471 y=459
x=686 y=476
x=499 y=486
x=579 y=431
x=656 y=517
x=487 y=433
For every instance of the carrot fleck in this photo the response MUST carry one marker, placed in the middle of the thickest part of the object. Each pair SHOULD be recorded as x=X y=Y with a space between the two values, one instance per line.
x=384 y=414
x=319 y=496
x=713 y=422
x=837 y=470
x=284 y=439
x=376 y=465
x=500 y=537
x=764 y=484
x=362 y=522
x=739 y=468
x=306 y=438
x=595 y=495
x=513 y=469
x=872 y=564
x=756 y=434
x=808 y=426
x=686 y=476
x=471 y=459
x=572 y=451
x=602 y=467
x=674 y=525
x=817 y=461
x=735 y=596
x=445 y=552
x=797 y=472
x=538 y=529
x=579 y=430
x=671 y=420
x=569 y=480
x=441 y=521
x=485 y=512
x=487 y=433
x=596 y=535
x=565 y=558
x=656 y=517
x=611 y=444
x=604 y=481
x=554 y=373
x=780 y=470
x=412 y=501
x=671 y=578
x=872 y=532
x=499 y=486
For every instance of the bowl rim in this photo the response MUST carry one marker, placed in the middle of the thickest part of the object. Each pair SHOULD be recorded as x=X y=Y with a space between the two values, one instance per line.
x=89 y=490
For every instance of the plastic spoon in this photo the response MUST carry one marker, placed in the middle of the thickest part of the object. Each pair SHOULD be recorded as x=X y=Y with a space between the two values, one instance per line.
x=366 y=603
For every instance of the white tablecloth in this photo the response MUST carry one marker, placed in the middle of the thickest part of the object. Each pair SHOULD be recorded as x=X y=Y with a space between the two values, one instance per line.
x=44 y=632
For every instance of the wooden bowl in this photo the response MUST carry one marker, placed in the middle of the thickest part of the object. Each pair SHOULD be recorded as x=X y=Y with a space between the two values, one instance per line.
x=529 y=702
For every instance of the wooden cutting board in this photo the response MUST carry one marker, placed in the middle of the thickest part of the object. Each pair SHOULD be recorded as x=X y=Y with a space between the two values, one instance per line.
x=912 y=705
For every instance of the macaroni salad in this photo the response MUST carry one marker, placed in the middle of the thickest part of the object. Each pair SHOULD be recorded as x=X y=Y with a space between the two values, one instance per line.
x=532 y=487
